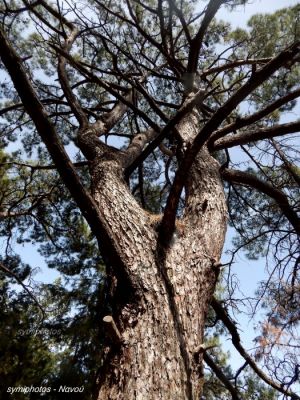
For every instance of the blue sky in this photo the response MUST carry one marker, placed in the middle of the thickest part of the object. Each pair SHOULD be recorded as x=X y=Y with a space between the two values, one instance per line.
x=249 y=273
x=240 y=16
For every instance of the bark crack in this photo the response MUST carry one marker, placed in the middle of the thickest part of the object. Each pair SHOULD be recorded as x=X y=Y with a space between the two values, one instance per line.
x=161 y=263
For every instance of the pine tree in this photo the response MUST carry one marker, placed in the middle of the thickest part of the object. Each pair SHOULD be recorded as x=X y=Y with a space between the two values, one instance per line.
x=124 y=115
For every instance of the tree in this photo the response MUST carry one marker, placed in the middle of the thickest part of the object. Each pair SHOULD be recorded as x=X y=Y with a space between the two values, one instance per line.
x=177 y=88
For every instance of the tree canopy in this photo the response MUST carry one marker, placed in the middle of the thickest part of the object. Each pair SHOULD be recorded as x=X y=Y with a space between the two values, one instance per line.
x=116 y=79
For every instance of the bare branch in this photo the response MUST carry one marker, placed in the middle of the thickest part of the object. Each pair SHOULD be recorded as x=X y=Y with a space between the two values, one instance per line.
x=112 y=330
x=41 y=18
x=244 y=178
x=39 y=167
x=290 y=168
x=196 y=44
x=236 y=341
x=137 y=145
x=221 y=376
x=64 y=80
x=233 y=64
x=56 y=14
x=111 y=118
x=241 y=122
x=257 y=134
x=180 y=15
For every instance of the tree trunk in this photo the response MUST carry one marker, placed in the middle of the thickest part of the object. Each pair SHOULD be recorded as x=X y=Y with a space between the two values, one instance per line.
x=161 y=316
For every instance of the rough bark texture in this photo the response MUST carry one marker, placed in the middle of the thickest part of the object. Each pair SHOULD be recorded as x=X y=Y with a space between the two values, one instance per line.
x=162 y=324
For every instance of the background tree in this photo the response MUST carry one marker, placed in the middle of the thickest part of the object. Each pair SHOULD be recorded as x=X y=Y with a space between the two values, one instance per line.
x=134 y=108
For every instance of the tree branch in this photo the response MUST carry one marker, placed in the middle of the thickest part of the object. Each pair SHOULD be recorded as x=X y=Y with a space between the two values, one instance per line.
x=56 y=14
x=32 y=8
x=289 y=166
x=46 y=130
x=39 y=167
x=162 y=133
x=11 y=273
x=64 y=80
x=221 y=376
x=21 y=9
x=244 y=178
x=180 y=15
x=107 y=86
x=233 y=64
x=196 y=44
x=241 y=122
x=111 y=118
x=257 y=134
x=236 y=341
x=173 y=62
x=136 y=146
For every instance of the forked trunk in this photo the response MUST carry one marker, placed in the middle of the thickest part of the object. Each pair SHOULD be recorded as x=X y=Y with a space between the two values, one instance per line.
x=162 y=325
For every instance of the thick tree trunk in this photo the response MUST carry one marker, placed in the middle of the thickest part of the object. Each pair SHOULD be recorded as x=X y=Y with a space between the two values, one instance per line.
x=162 y=324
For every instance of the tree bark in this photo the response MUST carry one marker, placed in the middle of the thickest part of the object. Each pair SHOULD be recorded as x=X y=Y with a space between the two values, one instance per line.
x=161 y=313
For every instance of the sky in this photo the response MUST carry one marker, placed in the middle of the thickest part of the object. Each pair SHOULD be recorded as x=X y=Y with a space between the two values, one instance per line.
x=240 y=16
x=249 y=273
